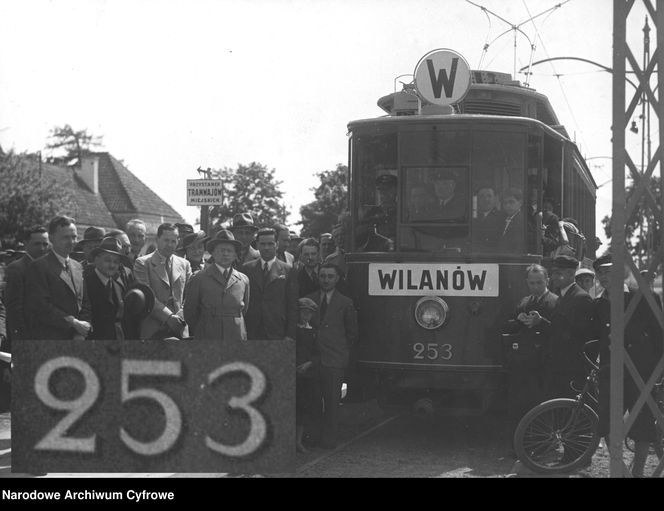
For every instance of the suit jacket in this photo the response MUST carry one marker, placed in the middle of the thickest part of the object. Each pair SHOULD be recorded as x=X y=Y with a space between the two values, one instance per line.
x=51 y=296
x=571 y=326
x=337 y=332
x=455 y=209
x=512 y=239
x=214 y=307
x=247 y=256
x=303 y=284
x=105 y=314
x=151 y=271
x=17 y=317
x=487 y=229
x=272 y=312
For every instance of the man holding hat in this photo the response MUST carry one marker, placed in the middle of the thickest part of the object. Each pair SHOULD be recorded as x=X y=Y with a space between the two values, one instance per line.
x=571 y=327
x=104 y=291
x=643 y=343
x=217 y=297
x=244 y=230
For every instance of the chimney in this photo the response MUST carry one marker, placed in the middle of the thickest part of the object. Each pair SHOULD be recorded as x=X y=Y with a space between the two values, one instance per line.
x=89 y=172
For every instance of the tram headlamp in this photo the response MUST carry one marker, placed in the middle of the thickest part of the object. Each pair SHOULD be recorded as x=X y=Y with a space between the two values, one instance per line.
x=431 y=312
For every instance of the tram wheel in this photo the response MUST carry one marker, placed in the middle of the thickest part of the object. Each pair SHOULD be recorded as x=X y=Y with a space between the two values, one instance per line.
x=557 y=436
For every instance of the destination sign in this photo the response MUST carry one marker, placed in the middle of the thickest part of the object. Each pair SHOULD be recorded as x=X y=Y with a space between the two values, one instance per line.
x=408 y=279
x=205 y=192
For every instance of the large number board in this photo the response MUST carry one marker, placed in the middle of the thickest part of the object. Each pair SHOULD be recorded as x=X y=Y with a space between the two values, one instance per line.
x=153 y=406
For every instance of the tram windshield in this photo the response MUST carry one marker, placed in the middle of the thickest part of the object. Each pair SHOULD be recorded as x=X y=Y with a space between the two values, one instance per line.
x=427 y=189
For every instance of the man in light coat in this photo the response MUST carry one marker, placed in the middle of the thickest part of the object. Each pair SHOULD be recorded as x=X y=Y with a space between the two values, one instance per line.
x=167 y=275
x=217 y=297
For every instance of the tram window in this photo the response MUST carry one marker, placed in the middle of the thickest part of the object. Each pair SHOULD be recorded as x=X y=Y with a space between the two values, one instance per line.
x=498 y=182
x=377 y=190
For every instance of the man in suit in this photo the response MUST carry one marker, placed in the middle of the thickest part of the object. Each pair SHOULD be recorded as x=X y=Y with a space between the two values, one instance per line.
x=54 y=287
x=244 y=231
x=643 y=343
x=137 y=232
x=36 y=245
x=571 y=326
x=490 y=222
x=512 y=238
x=451 y=205
x=527 y=344
x=305 y=278
x=167 y=275
x=104 y=290
x=91 y=239
x=336 y=321
x=272 y=310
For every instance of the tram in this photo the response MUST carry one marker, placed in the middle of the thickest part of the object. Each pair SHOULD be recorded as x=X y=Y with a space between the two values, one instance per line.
x=432 y=279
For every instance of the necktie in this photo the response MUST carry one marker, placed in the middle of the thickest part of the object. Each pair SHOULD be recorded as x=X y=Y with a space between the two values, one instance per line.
x=71 y=277
x=323 y=307
x=169 y=273
x=109 y=291
x=266 y=270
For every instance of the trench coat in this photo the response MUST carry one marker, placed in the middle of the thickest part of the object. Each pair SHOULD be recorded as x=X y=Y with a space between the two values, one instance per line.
x=214 y=308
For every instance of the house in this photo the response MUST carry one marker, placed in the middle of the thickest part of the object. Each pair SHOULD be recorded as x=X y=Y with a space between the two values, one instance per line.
x=107 y=194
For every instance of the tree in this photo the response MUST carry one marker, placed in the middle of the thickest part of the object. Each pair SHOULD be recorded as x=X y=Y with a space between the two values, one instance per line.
x=331 y=201
x=26 y=198
x=75 y=144
x=249 y=189
x=642 y=230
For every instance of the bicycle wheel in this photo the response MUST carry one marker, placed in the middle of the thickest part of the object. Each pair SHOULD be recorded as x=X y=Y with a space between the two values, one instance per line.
x=557 y=436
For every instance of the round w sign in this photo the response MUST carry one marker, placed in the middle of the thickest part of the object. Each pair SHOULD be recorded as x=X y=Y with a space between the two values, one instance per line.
x=442 y=77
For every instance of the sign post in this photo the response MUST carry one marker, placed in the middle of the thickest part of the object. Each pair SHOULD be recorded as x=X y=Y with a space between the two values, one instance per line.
x=205 y=193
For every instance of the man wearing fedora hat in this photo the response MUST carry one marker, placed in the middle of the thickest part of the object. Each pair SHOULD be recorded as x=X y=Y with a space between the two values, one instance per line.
x=217 y=297
x=244 y=231
x=450 y=202
x=193 y=249
x=103 y=302
x=571 y=327
x=91 y=238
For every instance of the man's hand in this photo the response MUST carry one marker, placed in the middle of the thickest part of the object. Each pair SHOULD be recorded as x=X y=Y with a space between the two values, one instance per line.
x=81 y=327
x=532 y=319
x=176 y=324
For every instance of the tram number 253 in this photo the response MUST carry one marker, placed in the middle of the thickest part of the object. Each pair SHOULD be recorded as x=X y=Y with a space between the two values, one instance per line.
x=57 y=440
x=432 y=351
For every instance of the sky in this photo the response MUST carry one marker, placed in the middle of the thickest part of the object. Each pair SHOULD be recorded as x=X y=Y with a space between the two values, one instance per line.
x=174 y=85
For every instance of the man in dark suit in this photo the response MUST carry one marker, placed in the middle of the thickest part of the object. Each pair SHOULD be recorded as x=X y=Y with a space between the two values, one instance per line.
x=336 y=321
x=305 y=278
x=36 y=245
x=527 y=344
x=643 y=343
x=104 y=290
x=272 y=310
x=244 y=231
x=490 y=222
x=54 y=287
x=451 y=205
x=512 y=238
x=571 y=326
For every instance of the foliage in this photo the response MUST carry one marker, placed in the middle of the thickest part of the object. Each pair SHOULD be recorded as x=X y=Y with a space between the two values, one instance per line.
x=642 y=232
x=26 y=198
x=249 y=189
x=73 y=143
x=331 y=200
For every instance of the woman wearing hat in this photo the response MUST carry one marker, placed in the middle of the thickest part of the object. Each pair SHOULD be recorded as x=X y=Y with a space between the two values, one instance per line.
x=217 y=297
x=193 y=248
x=103 y=303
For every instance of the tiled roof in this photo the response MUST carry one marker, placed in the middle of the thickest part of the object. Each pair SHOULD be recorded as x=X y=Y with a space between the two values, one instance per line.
x=89 y=208
x=137 y=193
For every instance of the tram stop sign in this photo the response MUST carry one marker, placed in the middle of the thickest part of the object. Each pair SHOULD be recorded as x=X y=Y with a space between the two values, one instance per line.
x=442 y=77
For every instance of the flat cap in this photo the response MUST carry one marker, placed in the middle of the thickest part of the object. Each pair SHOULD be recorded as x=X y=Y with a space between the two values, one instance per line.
x=566 y=262
x=605 y=261
x=584 y=271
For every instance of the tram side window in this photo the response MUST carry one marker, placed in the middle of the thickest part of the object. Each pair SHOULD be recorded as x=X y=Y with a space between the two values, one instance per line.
x=377 y=182
x=498 y=192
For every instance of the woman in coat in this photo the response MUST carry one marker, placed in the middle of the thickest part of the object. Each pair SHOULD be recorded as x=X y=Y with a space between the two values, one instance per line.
x=217 y=297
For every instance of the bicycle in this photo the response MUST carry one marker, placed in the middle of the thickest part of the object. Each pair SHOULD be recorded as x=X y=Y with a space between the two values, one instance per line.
x=561 y=435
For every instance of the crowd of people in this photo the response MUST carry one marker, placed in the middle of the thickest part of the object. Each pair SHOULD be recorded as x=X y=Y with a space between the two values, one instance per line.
x=545 y=338
x=244 y=283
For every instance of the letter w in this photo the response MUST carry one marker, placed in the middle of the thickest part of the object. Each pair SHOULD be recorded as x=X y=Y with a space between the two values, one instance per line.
x=476 y=281
x=440 y=81
x=387 y=279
